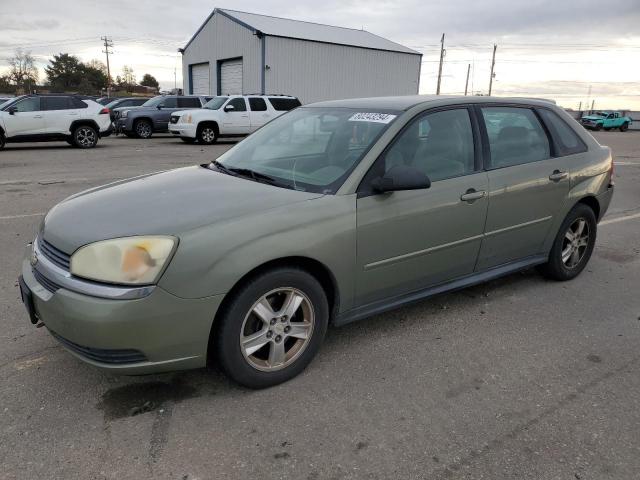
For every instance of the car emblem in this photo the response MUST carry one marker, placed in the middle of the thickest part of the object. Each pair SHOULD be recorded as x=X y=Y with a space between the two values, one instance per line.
x=34 y=259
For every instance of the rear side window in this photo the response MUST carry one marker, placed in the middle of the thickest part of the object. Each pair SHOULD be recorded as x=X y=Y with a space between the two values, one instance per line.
x=257 y=104
x=57 y=103
x=283 y=104
x=77 y=103
x=567 y=140
x=189 y=102
x=515 y=136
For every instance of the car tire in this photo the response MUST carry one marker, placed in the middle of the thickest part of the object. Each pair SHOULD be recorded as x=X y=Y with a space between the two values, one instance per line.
x=207 y=135
x=573 y=245
x=252 y=340
x=143 y=129
x=624 y=127
x=188 y=139
x=598 y=127
x=85 y=136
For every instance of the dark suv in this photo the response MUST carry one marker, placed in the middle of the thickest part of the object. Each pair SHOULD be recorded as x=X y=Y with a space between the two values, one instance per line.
x=153 y=115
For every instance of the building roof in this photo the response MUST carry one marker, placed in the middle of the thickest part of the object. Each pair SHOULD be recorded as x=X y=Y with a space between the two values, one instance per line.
x=315 y=32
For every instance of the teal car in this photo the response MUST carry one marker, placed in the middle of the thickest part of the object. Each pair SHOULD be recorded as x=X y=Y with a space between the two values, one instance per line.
x=606 y=120
x=331 y=213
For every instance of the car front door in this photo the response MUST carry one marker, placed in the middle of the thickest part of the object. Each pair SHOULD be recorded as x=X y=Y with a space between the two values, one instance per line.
x=527 y=185
x=235 y=120
x=259 y=113
x=27 y=119
x=166 y=108
x=410 y=240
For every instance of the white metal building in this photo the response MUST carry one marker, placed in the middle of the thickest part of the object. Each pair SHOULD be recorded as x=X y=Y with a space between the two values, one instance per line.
x=238 y=52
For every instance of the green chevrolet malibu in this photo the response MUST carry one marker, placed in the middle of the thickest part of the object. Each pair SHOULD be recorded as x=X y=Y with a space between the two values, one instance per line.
x=331 y=213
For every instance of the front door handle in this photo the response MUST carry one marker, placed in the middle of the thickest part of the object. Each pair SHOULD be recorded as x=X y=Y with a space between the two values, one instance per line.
x=557 y=175
x=472 y=195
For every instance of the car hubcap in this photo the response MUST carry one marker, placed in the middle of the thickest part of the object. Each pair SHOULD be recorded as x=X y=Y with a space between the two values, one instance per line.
x=208 y=135
x=277 y=329
x=144 y=130
x=86 y=137
x=575 y=243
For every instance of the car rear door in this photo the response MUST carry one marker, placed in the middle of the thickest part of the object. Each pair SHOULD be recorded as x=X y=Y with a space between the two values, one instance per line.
x=410 y=240
x=27 y=120
x=59 y=113
x=236 y=121
x=528 y=184
x=259 y=112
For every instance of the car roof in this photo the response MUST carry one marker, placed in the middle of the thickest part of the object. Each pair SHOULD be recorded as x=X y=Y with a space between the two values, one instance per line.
x=408 y=101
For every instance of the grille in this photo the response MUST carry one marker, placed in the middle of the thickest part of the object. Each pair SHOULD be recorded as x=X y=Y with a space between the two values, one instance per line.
x=53 y=254
x=174 y=119
x=114 y=357
x=45 y=282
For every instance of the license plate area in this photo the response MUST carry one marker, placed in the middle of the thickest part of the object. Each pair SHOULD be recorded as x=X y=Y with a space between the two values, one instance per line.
x=27 y=299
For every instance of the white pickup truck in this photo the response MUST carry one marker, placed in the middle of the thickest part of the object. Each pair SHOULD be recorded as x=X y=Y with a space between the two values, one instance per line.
x=229 y=116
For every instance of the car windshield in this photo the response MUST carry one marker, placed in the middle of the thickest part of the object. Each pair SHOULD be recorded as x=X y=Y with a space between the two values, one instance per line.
x=11 y=101
x=215 y=103
x=310 y=149
x=154 y=102
x=112 y=104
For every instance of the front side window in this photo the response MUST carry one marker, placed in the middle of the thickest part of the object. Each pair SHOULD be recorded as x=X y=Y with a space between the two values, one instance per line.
x=310 y=149
x=515 y=136
x=170 y=102
x=238 y=104
x=439 y=144
x=566 y=139
x=29 y=104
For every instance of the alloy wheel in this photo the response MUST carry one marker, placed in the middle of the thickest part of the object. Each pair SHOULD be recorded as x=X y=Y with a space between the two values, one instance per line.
x=208 y=135
x=143 y=129
x=86 y=137
x=575 y=243
x=277 y=329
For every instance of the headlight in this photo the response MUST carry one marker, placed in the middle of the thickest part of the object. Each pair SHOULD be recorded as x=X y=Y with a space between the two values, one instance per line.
x=124 y=114
x=128 y=260
x=186 y=118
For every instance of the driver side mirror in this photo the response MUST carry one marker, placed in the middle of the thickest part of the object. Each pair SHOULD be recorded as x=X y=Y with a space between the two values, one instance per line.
x=12 y=110
x=401 y=177
x=229 y=108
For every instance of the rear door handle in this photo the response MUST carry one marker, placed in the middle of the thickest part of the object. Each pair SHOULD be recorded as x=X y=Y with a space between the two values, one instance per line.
x=557 y=175
x=472 y=195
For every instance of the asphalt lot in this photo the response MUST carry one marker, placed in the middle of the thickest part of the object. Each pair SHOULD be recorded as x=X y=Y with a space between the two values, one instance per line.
x=519 y=378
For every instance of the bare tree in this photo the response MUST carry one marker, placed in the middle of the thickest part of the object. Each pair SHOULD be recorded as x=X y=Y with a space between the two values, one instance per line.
x=23 y=71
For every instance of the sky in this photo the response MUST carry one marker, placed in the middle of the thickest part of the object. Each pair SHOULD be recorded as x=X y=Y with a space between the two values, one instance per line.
x=572 y=51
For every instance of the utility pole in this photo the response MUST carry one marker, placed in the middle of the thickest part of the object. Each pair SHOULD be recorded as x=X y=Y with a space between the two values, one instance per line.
x=580 y=106
x=108 y=43
x=466 y=85
x=593 y=102
x=493 y=64
x=442 y=54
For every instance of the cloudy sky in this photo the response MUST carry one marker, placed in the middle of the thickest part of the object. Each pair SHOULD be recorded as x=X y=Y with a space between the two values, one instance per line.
x=570 y=50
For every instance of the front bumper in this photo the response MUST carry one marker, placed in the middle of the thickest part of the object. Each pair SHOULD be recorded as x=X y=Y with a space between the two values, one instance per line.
x=159 y=332
x=186 y=130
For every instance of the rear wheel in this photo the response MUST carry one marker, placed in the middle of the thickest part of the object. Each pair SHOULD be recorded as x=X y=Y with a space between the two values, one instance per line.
x=143 y=129
x=624 y=127
x=85 y=136
x=272 y=328
x=573 y=245
x=207 y=134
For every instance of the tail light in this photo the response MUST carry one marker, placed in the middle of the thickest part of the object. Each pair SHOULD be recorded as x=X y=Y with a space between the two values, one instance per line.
x=104 y=111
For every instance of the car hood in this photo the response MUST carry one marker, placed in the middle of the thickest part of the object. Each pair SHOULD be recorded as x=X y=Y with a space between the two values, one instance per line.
x=164 y=203
x=592 y=117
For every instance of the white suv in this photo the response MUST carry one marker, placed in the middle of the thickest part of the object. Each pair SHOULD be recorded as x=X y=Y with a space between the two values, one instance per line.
x=229 y=116
x=43 y=118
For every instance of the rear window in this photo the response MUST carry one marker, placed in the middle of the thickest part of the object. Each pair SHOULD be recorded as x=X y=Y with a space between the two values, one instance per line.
x=567 y=140
x=282 y=104
x=257 y=104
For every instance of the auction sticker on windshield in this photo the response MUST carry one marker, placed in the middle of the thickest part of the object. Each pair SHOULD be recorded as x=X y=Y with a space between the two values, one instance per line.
x=372 y=117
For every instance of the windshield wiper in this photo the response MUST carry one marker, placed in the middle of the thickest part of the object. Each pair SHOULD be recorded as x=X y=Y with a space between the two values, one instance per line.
x=248 y=173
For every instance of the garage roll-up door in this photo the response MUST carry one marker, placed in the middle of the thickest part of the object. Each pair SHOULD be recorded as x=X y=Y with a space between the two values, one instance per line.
x=231 y=77
x=200 y=79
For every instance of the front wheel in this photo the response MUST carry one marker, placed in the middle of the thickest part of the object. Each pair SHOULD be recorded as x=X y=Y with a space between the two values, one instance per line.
x=624 y=127
x=85 y=136
x=207 y=135
x=598 y=127
x=573 y=245
x=272 y=328
x=143 y=129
